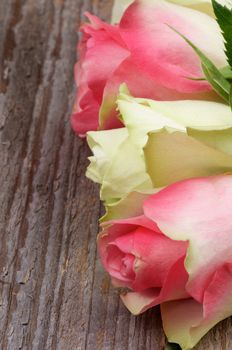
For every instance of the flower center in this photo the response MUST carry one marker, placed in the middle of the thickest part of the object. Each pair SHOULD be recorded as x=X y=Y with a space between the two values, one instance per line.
x=120 y=264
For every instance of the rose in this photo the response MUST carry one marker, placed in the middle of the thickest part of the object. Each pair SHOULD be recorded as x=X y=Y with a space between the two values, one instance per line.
x=145 y=53
x=162 y=142
x=177 y=254
x=129 y=60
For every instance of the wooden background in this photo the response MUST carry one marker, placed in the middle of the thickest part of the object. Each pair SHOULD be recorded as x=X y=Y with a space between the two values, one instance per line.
x=53 y=291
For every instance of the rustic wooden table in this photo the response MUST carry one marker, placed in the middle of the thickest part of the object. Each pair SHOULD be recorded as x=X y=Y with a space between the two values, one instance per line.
x=54 y=294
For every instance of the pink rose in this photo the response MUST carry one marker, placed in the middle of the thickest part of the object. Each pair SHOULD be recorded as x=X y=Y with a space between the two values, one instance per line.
x=146 y=54
x=178 y=254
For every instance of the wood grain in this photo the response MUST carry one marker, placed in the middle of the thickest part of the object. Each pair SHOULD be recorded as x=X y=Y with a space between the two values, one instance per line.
x=53 y=291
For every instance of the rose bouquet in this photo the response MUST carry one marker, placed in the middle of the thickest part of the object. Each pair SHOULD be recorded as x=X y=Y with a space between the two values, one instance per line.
x=154 y=99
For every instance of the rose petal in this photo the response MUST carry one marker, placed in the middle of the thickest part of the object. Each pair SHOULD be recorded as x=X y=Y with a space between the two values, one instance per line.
x=197 y=210
x=171 y=157
x=186 y=322
x=130 y=206
x=104 y=147
x=178 y=318
x=126 y=173
x=99 y=40
x=172 y=289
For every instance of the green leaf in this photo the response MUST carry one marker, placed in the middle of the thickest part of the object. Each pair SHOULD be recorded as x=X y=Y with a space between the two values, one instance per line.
x=212 y=73
x=226 y=72
x=230 y=97
x=224 y=18
x=217 y=83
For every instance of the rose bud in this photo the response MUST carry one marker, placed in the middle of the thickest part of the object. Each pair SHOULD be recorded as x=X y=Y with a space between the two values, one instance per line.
x=146 y=54
x=139 y=256
x=177 y=254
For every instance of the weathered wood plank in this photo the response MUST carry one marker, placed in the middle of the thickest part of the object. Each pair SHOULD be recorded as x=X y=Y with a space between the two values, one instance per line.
x=53 y=291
